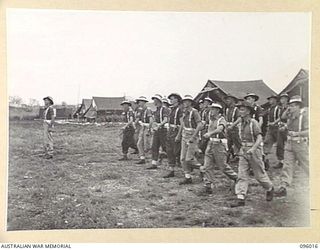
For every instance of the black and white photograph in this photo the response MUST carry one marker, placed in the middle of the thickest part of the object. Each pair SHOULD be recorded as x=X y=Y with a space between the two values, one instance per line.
x=157 y=119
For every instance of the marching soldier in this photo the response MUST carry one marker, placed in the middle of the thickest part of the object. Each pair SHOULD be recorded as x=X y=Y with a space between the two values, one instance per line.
x=204 y=114
x=160 y=132
x=296 y=148
x=257 y=112
x=173 y=146
x=144 y=119
x=49 y=116
x=128 y=140
x=136 y=125
x=165 y=102
x=200 y=106
x=188 y=134
x=252 y=98
x=162 y=152
x=216 y=152
x=271 y=137
x=250 y=156
x=282 y=133
x=231 y=116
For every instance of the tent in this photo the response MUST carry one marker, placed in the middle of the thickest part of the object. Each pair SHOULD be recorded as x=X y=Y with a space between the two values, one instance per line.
x=217 y=90
x=299 y=86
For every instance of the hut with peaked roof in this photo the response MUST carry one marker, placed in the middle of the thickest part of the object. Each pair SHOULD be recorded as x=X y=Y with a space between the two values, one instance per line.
x=107 y=105
x=299 y=85
x=218 y=90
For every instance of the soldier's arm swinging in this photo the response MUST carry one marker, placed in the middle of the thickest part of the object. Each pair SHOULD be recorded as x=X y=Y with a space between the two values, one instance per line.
x=178 y=137
x=256 y=144
x=304 y=133
x=150 y=122
x=260 y=121
x=199 y=127
x=165 y=120
x=235 y=123
x=218 y=130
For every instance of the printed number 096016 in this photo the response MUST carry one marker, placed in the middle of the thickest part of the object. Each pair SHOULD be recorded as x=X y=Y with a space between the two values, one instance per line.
x=308 y=245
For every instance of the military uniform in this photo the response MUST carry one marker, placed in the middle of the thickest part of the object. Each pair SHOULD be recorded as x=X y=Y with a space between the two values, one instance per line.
x=271 y=137
x=144 y=137
x=282 y=133
x=249 y=130
x=137 y=125
x=160 y=133
x=128 y=140
x=48 y=116
x=296 y=148
x=190 y=119
x=173 y=147
x=234 y=143
x=257 y=113
x=204 y=114
x=216 y=153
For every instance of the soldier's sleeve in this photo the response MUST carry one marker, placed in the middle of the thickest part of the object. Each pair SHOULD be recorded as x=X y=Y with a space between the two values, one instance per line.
x=223 y=123
x=196 y=116
x=256 y=128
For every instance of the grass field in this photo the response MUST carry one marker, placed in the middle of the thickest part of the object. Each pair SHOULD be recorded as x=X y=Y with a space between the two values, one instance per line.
x=85 y=186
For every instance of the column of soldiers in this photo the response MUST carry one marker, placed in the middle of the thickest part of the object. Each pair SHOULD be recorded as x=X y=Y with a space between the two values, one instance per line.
x=222 y=135
x=234 y=134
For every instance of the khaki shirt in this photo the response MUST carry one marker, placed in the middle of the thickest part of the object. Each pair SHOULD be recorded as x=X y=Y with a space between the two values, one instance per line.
x=191 y=118
x=175 y=115
x=298 y=122
x=127 y=115
x=144 y=114
x=232 y=114
x=273 y=113
x=213 y=125
x=160 y=114
x=49 y=112
x=249 y=130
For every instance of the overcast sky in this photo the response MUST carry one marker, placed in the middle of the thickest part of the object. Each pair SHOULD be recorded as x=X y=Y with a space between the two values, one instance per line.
x=102 y=53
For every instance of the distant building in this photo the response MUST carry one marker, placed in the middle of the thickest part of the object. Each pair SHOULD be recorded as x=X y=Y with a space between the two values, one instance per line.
x=82 y=108
x=107 y=106
x=99 y=108
x=218 y=90
x=299 y=86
